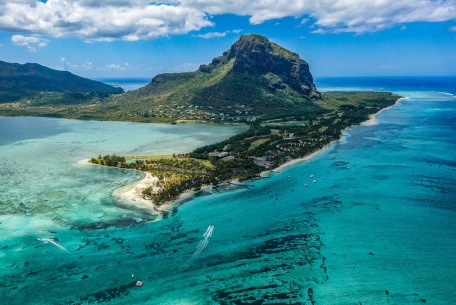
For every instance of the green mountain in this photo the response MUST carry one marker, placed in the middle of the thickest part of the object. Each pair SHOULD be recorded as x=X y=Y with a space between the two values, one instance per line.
x=18 y=81
x=254 y=81
x=254 y=72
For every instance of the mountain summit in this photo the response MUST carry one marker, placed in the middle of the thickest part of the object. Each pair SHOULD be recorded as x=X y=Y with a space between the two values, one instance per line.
x=256 y=55
x=254 y=72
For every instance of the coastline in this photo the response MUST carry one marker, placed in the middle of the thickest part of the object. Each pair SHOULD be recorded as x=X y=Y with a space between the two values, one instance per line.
x=132 y=193
x=372 y=120
x=373 y=117
x=296 y=161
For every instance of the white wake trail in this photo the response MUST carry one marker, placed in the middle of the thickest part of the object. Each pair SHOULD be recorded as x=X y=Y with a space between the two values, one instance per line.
x=202 y=244
x=54 y=242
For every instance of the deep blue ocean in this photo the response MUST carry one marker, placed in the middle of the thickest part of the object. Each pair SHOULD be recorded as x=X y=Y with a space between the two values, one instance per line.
x=378 y=226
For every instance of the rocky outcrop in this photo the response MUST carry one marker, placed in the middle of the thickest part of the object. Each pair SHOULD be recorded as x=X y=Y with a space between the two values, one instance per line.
x=256 y=55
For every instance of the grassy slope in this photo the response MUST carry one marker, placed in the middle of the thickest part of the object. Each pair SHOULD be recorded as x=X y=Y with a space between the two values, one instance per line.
x=218 y=88
x=19 y=81
x=119 y=108
x=334 y=99
x=205 y=163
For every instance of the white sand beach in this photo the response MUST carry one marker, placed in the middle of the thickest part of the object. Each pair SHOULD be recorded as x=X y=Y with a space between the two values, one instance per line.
x=133 y=194
x=373 y=117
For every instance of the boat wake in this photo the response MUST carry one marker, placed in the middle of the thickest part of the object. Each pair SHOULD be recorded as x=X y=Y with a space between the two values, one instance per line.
x=201 y=245
x=54 y=242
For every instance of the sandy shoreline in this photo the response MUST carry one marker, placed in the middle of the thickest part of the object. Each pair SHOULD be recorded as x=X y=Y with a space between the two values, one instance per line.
x=371 y=121
x=132 y=194
x=373 y=117
x=295 y=161
x=135 y=192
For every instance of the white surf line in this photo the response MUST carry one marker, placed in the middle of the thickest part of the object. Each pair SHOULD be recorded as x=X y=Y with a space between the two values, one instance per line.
x=52 y=241
x=446 y=93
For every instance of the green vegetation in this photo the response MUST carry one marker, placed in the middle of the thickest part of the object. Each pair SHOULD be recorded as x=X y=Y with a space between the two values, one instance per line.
x=18 y=82
x=254 y=79
x=108 y=160
x=258 y=142
x=175 y=173
x=267 y=144
x=255 y=82
x=205 y=163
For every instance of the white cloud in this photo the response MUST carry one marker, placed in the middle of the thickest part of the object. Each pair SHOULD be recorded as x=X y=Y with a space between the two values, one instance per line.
x=106 y=20
x=185 y=67
x=335 y=16
x=212 y=35
x=109 y=20
x=217 y=34
x=453 y=29
x=68 y=66
x=88 y=65
x=116 y=67
x=32 y=43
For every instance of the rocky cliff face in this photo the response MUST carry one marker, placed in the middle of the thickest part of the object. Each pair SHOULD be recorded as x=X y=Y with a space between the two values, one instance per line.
x=256 y=55
x=254 y=72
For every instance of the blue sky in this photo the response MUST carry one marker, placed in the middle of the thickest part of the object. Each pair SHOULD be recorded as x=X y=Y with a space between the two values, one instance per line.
x=137 y=38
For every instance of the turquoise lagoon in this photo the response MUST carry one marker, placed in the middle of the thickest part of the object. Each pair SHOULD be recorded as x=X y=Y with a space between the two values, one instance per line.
x=378 y=226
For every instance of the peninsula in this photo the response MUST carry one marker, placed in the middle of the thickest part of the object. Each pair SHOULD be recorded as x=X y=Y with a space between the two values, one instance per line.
x=256 y=82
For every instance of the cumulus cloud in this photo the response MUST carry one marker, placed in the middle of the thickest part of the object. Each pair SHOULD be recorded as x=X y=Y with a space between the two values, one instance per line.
x=66 y=65
x=109 y=20
x=217 y=34
x=32 y=43
x=105 y=20
x=212 y=35
x=335 y=16
x=185 y=67
x=116 y=67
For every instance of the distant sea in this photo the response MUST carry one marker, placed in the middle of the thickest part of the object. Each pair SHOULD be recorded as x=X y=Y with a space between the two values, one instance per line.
x=127 y=84
x=389 y=83
x=378 y=226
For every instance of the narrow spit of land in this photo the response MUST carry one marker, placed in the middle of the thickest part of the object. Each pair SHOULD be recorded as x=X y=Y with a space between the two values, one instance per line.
x=268 y=144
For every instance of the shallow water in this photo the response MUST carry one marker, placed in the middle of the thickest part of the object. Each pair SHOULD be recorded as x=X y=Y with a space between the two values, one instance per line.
x=378 y=226
x=43 y=173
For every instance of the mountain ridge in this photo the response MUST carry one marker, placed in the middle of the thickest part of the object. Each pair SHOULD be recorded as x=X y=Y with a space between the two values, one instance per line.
x=255 y=54
x=25 y=80
x=254 y=72
x=253 y=81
